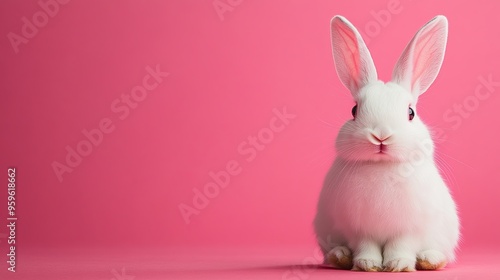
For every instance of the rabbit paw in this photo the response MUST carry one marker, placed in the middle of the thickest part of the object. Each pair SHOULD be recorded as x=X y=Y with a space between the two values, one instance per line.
x=340 y=257
x=430 y=260
x=367 y=265
x=399 y=265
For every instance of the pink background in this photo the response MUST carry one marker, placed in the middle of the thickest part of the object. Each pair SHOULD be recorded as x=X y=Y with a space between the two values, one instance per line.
x=227 y=73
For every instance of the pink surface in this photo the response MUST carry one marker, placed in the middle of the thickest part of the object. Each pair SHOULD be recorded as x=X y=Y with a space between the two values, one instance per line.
x=284 y=264
x=165 y=100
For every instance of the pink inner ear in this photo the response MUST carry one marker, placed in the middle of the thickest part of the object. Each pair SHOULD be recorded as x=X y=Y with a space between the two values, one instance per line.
x=353 y=61
x=421 y=60
x=350 y=52
x=423 y=54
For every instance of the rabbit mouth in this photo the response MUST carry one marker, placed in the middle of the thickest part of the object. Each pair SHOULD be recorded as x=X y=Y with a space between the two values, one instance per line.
x=382 y=152
x=382 y=149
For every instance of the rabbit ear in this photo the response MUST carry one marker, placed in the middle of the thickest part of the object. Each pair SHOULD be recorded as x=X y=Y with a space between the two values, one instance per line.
x=421 y=60
x=353 y=61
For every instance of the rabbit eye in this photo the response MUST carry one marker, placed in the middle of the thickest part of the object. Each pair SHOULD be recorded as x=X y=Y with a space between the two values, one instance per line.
x=354 y=110
x=411 y=113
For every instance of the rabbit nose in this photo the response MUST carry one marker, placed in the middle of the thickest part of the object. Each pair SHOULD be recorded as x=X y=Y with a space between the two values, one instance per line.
x=379 y=135
x=380 y=139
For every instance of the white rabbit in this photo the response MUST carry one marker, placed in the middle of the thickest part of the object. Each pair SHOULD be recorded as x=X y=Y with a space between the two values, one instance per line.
x=384 y=205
